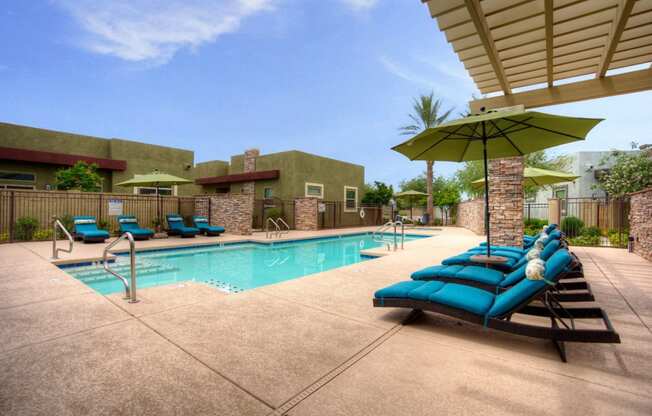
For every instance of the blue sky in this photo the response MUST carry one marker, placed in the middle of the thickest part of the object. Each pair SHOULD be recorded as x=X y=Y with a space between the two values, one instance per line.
x=332 y=77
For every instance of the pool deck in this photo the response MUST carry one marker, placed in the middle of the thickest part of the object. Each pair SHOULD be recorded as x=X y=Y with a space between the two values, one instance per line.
x=308 y=346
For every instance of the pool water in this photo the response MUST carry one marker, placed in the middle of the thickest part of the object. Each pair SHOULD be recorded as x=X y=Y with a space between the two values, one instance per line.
x=232 y=267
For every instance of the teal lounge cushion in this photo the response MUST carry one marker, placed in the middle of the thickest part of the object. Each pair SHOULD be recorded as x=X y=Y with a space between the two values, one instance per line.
x=514 y=277
x=424 y=291
x=526 y=288
x=468 y=298
x=212 y=228
x=432 y=272
x=141 y=231
x=94 y=234
x=459 y=259
x=550 y=249
x=398 y=290
x=481 y=275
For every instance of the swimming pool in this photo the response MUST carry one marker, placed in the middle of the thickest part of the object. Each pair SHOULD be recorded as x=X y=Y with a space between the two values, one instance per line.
x=231 y=267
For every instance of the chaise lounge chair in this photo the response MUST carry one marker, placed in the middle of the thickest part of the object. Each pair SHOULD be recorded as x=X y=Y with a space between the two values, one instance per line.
x=129 y=223
x=480 y=307
x=496 y=281
x=176 y=227
x=201 y=223
x=85 y=228
x=528 y=240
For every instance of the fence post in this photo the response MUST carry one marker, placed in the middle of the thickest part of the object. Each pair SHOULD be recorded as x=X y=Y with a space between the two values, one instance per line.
x=179 y=205
x=12 y=215
x=210 y=202
x=99 y=209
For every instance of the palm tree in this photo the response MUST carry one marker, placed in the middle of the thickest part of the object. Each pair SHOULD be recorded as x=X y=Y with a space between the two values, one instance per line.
x=426 y=114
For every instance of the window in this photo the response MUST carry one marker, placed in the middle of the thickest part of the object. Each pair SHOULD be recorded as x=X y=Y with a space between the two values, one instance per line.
x=145 y=190
x=17 y=176
x=12 y=186
x=315 y=190
x=268 y=193
x=350 y=198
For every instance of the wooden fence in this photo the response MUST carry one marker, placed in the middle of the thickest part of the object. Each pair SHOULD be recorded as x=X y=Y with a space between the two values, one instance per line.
x=43 y=205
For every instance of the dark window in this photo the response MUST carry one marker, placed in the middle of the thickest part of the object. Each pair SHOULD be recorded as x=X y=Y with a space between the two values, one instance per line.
x=18 y=176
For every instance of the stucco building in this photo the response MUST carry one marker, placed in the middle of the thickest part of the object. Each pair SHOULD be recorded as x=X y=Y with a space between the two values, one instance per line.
x=29 y=158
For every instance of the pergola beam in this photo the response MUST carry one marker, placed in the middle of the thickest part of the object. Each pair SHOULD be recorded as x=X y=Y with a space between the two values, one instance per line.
x=549 y=43
x=480 y=23
x=626 y=83
x=618 y=26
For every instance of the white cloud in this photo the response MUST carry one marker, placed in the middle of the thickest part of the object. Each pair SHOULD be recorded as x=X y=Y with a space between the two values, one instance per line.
x=359 y=5
x=154 y=30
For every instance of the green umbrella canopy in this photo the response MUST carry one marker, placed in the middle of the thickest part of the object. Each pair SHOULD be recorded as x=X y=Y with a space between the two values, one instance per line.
x=492 y=135
x=509 y=132
x=154 y=179
x=410 y=193
x=538 y=177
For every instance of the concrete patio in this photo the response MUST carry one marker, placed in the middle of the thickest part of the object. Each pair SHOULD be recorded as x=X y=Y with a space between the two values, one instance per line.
x=309 y=346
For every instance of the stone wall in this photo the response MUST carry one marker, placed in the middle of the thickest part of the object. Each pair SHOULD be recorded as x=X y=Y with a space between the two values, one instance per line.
x=506 y=201
x=640 y=223
x=234 y=212
x=470 y=215
x=306 y=214
x=250 y=166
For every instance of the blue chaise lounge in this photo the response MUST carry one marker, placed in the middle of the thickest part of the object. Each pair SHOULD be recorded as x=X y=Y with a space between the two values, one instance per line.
x=129 y=223
x=200 y=222
x=177 y=227
x=85 y=228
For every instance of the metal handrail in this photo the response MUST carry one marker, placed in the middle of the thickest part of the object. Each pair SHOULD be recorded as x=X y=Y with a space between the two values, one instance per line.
x=379 y=238
x=281 y=221
x=130 y=289
x=276 y=226
x=55 y=250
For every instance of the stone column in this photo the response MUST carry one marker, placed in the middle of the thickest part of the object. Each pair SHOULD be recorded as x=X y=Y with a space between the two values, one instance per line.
x=234 y=212
x=640 y=226
x=306 y=212
x=506 y=201
x=250 y=166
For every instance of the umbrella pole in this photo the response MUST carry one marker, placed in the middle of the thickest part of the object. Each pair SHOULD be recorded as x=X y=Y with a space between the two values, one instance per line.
x=486 y=190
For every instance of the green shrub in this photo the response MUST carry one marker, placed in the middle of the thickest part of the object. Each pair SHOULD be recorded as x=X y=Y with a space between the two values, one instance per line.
x=591 y=232
x=617 y=239
x=274 y=213
x=42 y=235
x=533 y=226
x=572 y=226
x=4 y=236
x=438 y=221
x=68 y=223
x=25 y=228
x=103 y=225
x=585 y=240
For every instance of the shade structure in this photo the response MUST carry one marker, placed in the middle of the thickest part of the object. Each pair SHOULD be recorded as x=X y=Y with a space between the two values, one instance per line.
x=410 y=194
x=156 y=180
x=539 y=177
x=495 y=134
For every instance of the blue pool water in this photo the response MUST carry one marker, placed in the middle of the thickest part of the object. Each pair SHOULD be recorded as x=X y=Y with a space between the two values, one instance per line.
x=233 y=267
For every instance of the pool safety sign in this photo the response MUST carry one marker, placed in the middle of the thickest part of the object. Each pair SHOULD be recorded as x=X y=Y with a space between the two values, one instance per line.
x=321 y=207
x=115 y=207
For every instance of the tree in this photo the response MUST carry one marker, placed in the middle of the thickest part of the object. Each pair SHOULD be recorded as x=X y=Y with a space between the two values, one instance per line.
x=418 y=183
x=81 y=176
x=630 y=172
x=446 y=194
x=377 y=193
x=426 y=113
x=474 y=170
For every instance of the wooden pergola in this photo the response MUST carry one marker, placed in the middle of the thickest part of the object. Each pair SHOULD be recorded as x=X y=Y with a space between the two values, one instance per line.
x=511 y=44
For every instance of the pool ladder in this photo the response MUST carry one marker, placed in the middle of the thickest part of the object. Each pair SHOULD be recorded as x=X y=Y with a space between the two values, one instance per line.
x=130 y=287
x=379 y=234
x=280 y=227
x=55 y=250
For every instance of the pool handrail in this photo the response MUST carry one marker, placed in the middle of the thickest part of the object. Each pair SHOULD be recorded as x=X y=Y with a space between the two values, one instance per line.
x=130 y=289
x=55 y=250
x=277 y=228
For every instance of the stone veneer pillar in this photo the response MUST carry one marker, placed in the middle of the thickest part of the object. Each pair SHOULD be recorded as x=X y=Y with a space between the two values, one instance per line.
x=640 y=225
x=250 y=166
x=506 y=201
x=306 y=214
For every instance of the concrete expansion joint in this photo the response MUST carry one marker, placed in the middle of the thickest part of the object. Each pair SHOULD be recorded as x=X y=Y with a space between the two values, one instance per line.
x=331 y=375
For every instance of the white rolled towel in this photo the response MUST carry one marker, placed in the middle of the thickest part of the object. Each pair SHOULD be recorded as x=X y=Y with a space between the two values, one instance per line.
x=535 y=269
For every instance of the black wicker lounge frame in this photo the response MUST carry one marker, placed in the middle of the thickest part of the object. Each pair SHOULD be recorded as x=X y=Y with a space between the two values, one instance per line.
x=562 y=320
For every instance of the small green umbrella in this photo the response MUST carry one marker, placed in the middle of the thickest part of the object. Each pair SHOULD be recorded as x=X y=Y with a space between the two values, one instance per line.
x=539 y=177
x=156 y=180
x=492 y=135
x=411 y=194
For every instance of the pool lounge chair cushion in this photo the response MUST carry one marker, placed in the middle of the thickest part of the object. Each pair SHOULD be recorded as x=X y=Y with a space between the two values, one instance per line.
x=468 y=298
x=176 y=225
x=129 y=223
x=86 y=228
x=202 y=224
x=441 y=270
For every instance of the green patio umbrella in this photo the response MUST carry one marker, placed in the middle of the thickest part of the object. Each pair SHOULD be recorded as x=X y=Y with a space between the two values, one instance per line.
x=156 y=180
x=495 y=134
x=410 y=194
x=539 y=177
